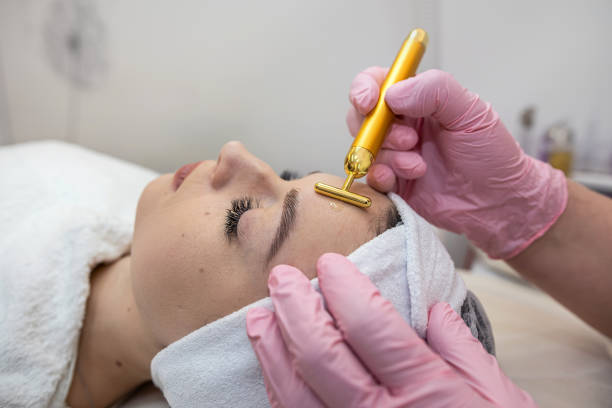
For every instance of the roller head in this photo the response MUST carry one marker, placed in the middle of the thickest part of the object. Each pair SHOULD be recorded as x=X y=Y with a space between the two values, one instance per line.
x=356 y=165
x=343 y=195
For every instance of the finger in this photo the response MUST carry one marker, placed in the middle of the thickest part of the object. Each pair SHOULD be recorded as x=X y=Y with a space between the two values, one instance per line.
x=400 y=137
x=317 y=348
x=284 y=386
x=436 y=93
x=406 y=165
x=353 y=120
x=448 y=335
x=381 y=178
x=365 y=88
x=377 y=333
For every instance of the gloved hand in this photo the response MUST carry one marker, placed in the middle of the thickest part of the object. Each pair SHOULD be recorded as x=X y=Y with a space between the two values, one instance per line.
x=362 y=353
x=451 y=158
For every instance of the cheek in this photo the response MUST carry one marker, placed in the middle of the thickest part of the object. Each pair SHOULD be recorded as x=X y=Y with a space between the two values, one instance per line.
x=158 y=271
x=184 y=276
x=170 y=256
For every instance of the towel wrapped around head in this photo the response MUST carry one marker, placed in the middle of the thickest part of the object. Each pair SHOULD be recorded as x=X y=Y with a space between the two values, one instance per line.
x=215 y=365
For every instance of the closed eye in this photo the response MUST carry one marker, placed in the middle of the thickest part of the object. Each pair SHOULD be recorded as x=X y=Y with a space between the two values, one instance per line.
x=232 y=215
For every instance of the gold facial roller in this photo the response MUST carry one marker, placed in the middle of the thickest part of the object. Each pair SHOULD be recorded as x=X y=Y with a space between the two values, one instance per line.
x=374 y=128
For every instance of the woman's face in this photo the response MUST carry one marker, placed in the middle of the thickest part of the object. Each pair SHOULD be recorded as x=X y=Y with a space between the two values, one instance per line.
x=204 y=244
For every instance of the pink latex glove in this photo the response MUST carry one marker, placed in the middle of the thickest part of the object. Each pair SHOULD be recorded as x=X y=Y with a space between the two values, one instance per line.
x=362 y=353
x=452 y=159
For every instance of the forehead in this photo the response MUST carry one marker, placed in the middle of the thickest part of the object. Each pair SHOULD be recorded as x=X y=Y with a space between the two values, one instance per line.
x=324 y=224
x=379 y=201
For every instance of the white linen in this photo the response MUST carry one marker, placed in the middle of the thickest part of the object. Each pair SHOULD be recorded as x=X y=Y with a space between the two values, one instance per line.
x=64 y=209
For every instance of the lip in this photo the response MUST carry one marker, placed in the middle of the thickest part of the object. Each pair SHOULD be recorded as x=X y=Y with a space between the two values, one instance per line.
x=182 y=173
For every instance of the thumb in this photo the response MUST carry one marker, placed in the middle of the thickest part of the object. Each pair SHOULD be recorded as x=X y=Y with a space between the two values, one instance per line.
x=437 y=94
x=448 y=336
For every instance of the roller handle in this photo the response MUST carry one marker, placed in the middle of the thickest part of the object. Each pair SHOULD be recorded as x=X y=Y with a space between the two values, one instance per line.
x=377 y=122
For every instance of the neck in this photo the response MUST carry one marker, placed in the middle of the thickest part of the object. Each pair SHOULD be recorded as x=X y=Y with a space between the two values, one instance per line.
x=115 y=349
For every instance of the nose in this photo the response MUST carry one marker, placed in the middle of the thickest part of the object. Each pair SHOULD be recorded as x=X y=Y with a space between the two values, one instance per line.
x=237 y=165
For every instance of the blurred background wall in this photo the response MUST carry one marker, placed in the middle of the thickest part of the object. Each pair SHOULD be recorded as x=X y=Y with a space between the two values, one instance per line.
x=162 y=83
x=553 y=55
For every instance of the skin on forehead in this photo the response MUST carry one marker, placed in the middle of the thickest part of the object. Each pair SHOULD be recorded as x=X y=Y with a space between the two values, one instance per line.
x=187 y=273
x=324 y=225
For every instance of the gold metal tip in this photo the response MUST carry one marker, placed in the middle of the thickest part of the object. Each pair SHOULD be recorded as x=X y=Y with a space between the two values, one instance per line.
x=419 y=35
x=343 y=195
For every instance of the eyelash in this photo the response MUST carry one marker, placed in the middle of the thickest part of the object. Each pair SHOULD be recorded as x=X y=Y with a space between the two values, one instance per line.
x=233 y=214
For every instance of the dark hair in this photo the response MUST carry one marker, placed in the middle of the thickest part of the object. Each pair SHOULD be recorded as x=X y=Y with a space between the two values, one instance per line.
x=387 y=220
x=289 y=174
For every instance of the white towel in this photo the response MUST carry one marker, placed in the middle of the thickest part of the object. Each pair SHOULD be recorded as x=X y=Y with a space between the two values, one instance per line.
x=64 y=209
x=215 y=365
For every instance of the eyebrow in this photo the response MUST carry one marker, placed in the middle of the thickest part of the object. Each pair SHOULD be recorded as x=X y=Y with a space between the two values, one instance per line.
x=288 y=216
